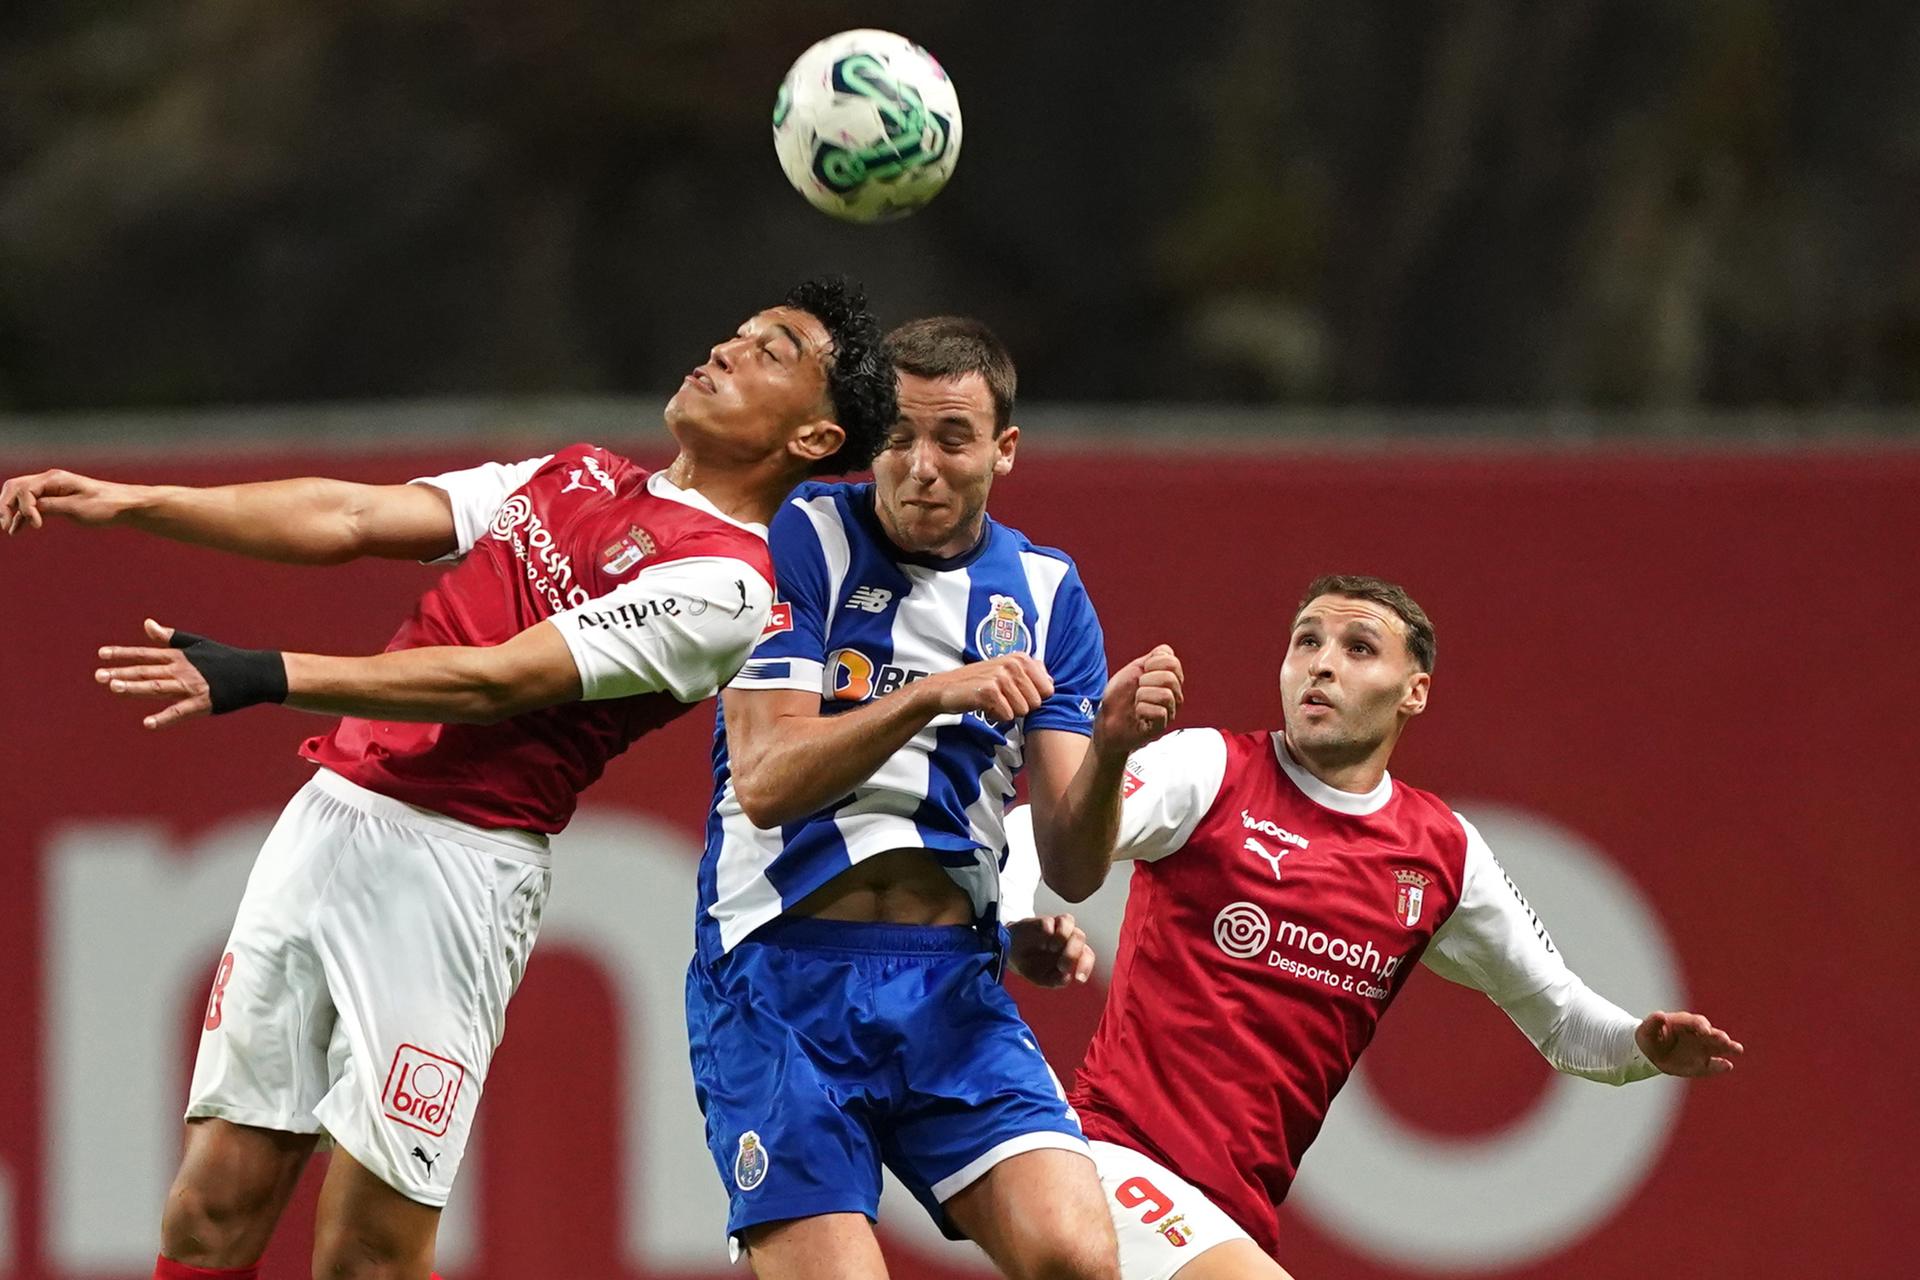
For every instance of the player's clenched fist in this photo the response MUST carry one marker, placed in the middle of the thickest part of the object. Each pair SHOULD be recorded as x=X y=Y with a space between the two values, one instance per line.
x=1141 y=701
x=26 y=501
x=1005 y=688
x=1049 y=951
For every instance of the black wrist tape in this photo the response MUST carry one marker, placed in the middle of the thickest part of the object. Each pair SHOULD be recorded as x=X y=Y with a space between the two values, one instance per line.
x=235 y=678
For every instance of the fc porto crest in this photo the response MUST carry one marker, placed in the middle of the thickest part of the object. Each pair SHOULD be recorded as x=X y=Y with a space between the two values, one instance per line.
x=1411 y=887
x=1004 y=630
x=750 y=1165
x=627 y=551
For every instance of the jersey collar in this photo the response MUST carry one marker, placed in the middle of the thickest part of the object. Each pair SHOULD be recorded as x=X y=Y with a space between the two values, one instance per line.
x=1359 y=805
x=660 y=487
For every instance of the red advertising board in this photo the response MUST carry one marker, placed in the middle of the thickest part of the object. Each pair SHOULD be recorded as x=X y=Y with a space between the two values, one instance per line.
x=1675 y=688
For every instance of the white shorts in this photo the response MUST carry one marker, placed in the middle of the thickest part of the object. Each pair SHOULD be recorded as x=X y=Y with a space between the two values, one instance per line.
x=1163 y=1221
x=365 y=985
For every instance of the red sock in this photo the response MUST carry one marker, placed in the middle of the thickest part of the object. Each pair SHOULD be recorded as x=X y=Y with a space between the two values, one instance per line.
x=168 y=1269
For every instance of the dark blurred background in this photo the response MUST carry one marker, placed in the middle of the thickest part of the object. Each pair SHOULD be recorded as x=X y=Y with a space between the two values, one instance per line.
x=1609 y=205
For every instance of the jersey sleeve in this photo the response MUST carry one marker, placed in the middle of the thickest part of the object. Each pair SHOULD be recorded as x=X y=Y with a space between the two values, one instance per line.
x=1075 y=657
x=1170 y=784
x=1495 y=943
x=476 y=494
x=682 y=627
x=792 y=651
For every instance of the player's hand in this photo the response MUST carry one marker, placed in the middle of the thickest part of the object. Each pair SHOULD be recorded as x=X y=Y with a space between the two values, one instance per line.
x=26 y=501
x=1141 y=701
x=1004 y=688
x=162 y=673
x=1049 y=951
x=1686 y=1044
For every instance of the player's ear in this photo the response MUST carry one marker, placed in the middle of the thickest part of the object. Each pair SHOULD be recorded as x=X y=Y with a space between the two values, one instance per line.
x=1416 y=700
x=1005 y=445
x=817 y=440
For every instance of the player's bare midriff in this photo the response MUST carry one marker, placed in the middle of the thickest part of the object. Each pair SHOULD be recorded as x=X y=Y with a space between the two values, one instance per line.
x=901 y=886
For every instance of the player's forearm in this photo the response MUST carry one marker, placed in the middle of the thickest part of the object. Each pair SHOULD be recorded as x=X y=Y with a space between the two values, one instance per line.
x=800 y=764
x=305 y=521
x=1581 y=1033
x=439 y=685
x=1076 y=836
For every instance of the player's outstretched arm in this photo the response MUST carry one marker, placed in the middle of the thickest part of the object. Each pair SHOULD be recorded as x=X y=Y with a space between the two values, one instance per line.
x=1495 y=943
x=443 y=684
x=1075 y=782
x=305 y=521
x=789 y=761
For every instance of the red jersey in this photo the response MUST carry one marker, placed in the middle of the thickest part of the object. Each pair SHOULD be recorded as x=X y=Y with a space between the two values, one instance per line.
x=1258 y=958
x=659 y=596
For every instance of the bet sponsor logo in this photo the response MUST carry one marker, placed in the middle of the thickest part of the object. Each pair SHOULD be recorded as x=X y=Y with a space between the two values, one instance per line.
x=1135 y=779
x=422 y=1090
x=852 y=676
x=513 y=513
x=779 y=618
x=548 y=569
x=1243 y=930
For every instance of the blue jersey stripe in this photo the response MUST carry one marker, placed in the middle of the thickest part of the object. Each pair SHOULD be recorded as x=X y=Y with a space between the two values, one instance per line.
x=877 y=619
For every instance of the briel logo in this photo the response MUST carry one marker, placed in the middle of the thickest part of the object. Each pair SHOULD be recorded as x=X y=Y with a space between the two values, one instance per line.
x=1242 y=930
x=513 y=513
x=422 y=1090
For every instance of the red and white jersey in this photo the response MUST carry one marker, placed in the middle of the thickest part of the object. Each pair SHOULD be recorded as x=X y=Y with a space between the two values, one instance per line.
x=658 y=594
x=1270 y=922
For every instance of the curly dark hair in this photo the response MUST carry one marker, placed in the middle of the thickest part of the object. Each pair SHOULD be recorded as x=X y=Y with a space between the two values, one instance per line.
x=860 y=376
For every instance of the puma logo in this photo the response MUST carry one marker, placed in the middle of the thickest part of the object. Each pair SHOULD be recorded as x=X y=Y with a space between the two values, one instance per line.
x=425 y=1159
x=1272 y=859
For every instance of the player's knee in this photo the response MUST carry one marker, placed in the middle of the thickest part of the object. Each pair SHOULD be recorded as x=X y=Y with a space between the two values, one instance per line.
x=1071 y=1255
x=214 y=1226
x=1077 y=1260
x=362 y=1251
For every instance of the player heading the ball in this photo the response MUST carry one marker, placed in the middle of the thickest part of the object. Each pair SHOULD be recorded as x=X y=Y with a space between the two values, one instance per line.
x=391 y=912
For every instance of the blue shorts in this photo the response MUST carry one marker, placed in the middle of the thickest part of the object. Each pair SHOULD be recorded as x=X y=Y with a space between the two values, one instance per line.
x=822 y=1050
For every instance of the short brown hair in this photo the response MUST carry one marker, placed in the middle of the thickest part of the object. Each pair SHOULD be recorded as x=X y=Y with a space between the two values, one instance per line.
x=1358 y=586
x=953 y=347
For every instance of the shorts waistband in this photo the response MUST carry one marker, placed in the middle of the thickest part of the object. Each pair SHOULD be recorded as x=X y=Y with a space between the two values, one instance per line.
x=816 y=934
x=519 y=846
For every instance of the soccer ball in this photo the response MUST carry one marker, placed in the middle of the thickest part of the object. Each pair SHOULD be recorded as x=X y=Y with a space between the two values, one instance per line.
x=867 y=126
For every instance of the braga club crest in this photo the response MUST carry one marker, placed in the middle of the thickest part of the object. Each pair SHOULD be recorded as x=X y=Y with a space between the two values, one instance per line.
x=1412 y=887
x=1003 y=630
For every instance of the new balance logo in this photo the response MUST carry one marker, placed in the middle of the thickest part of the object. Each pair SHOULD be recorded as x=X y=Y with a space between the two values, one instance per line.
x=425 y=1159
x=870 y=599
x=1272 y=859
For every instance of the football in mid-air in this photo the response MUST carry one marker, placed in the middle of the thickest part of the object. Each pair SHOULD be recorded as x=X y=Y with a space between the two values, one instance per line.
x=867 y=125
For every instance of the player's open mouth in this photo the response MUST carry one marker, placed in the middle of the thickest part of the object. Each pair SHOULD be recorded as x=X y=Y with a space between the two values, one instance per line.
x=1312 y=699
x=701 y=380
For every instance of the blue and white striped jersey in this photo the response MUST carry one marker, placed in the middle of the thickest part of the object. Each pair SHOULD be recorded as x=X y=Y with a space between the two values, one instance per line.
x=857 y=618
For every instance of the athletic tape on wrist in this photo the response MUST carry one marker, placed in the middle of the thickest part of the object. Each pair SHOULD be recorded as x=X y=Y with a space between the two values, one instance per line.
x=235 y=678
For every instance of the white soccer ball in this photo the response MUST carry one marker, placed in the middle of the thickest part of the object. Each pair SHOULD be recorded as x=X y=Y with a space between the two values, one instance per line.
x=867 y=126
